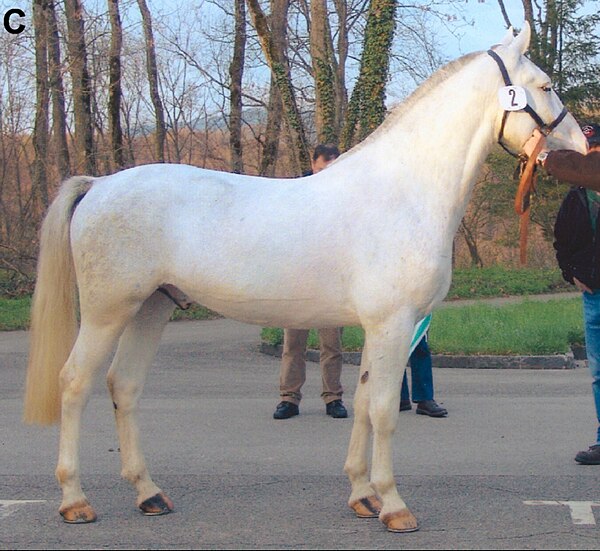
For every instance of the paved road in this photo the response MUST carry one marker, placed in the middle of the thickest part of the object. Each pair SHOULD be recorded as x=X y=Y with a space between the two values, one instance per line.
x=239 y=479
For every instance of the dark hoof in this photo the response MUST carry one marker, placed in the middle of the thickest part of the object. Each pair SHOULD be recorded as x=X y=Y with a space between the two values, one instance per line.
x=367 y=507
x=79 y=513
x=159 y=504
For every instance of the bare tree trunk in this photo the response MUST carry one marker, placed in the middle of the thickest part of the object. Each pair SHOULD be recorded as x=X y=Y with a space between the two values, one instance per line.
x=278 y=62
x=84 y=143
x=153 y=81
x=114 y=87
x=59 y=115
x=471 y=241
x=236 y=72
x=341 y=93
x=40 y=131
x=270 y=148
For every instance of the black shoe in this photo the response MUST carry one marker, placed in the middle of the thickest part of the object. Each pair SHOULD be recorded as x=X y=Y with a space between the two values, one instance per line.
x=405 y=405
x=336 y=409
x=589 y=457
x=431 y=408
x=285 y=410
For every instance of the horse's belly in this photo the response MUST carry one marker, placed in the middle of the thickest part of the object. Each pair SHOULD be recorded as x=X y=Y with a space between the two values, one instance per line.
x=281 y=312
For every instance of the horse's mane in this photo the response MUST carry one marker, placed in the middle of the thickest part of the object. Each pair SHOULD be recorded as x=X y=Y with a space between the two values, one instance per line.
x=423 y=90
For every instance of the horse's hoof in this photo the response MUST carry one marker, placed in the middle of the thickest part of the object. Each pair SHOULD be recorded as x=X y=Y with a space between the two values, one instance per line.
x=159 y=504
x=400 y=521
x=78 y=513
x=367 y=507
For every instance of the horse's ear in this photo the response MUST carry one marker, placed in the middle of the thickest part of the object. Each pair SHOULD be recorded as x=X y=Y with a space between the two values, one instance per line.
x=508 y=37
x=521 y=41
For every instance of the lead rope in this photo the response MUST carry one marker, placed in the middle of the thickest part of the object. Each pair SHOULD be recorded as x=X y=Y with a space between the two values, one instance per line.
x=525 y=190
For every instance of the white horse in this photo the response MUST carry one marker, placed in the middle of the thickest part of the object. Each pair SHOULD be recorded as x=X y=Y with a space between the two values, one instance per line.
x=367 y=241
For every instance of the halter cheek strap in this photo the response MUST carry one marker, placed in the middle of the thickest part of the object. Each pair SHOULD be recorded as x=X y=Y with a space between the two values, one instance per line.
x=543 y=127
x=528 y=175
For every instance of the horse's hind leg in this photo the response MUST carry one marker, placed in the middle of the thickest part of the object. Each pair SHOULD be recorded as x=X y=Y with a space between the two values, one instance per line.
x=126 y=377
x=362 y=499
x=91 y=348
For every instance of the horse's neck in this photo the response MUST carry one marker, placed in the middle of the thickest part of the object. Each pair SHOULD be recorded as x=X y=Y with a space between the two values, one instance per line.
x=436 y=148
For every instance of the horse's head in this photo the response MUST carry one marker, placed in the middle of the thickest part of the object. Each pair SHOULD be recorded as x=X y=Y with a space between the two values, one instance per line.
x=527 y=100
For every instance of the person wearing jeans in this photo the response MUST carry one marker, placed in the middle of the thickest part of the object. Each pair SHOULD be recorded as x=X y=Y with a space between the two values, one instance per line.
x=577 y=244
x=591 y=311
x=422 y=383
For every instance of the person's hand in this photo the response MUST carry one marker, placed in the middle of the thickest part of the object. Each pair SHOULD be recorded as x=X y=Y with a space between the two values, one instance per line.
x=531 y=144
x=582 y=286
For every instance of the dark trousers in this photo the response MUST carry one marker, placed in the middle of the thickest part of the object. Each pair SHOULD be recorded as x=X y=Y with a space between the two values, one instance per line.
x=421 y=374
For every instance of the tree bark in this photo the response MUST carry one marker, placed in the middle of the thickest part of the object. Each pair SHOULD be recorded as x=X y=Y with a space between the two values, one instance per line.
x=278 y=62
x=153 y=81
x=84 y=144
x=341 y=92
x=270 y=150
x=323 y=65
x=40 y=130
x=366 y=109
x=236 y=73
x=59 y=113
x=114 y=87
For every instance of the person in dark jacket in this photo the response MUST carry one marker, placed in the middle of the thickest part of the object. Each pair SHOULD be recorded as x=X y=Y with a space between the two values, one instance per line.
x=577 y=244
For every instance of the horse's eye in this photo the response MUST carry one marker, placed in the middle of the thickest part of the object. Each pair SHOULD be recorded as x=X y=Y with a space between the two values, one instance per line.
x=547 y=88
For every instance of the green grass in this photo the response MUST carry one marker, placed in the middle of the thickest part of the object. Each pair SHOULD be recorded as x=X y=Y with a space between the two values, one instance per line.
x=526 y=328
x=194 y=312
x=14 y=313
x=497 y=281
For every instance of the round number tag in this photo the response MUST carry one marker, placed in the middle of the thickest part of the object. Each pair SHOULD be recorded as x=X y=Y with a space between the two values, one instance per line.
x=512 y=98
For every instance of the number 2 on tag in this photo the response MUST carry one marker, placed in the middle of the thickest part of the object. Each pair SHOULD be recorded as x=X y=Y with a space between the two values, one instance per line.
x=512 y=98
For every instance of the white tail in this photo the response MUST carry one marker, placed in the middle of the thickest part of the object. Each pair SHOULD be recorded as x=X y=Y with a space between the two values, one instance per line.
x=54 y=307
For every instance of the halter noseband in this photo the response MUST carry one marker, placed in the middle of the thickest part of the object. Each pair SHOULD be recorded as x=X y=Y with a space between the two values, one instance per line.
x=543 y=127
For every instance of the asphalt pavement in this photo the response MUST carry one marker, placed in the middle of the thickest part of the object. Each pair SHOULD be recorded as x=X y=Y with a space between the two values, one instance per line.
x=498 y=473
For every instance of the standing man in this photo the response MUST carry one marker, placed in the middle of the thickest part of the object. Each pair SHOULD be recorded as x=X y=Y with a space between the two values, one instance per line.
x=293 y=364
x=577 y=244
x=422 y=383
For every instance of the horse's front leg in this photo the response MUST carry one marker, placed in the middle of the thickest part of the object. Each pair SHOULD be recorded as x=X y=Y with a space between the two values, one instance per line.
x=362 y=500
x=389 y=345
x=126 y=377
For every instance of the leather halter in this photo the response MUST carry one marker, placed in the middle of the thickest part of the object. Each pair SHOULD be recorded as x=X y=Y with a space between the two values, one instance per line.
x=542 y=126
x=528 y=166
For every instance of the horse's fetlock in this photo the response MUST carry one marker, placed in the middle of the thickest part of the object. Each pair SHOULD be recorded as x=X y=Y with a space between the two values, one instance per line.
x=382 y=485
x=134 y=474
